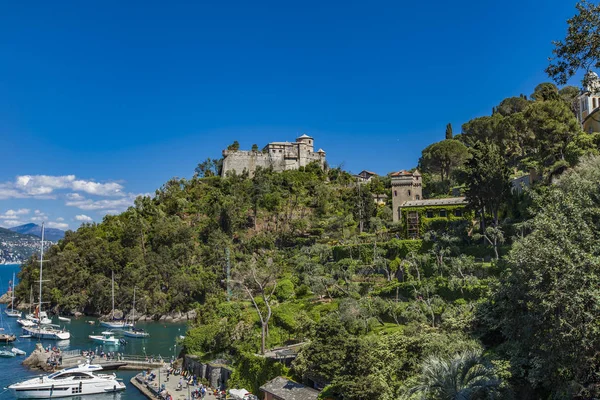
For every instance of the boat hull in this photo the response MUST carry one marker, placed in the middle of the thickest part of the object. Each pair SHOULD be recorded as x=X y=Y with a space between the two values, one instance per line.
x=115 y=325
x=13 y=314
x=102 y=340
x=136 y=334
x=46 y=334
x=68 y=390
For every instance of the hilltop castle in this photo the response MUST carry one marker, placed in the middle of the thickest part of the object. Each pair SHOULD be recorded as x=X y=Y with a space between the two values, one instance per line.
x=281 y=156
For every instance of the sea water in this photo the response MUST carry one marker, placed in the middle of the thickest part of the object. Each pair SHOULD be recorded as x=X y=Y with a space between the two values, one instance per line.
x=162 y=341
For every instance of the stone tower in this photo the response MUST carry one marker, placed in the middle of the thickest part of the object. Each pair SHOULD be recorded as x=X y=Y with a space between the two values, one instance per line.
x=406 y=186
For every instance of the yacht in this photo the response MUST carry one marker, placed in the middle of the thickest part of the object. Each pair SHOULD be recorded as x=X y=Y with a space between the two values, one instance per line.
x=114 y=323
x=12 y=312
x=75 y=381
x=46 y=332
x=107 y=337
x=44 y=328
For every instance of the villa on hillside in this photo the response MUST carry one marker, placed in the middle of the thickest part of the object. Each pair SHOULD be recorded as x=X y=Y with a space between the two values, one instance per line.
x=365 y=176
x=588 y=106
x=416 y=213
x=281 y=156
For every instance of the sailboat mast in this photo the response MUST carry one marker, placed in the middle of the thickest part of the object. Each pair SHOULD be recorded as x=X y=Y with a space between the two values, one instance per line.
x=133 y=311
x=41 y=268
x=113 y=295
x=12 y=300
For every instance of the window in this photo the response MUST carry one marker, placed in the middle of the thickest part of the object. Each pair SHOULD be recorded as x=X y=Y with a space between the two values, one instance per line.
x=443 y=213
x=594 y=102
x=418 y=197
x=395 y=193
x=458 y=213
x=280 y=150
x=409 y=192
x=429 y=214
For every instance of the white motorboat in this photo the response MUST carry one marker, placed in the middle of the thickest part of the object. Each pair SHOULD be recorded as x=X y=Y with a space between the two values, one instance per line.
x=75 y=381
x=41 y=319
x=12 y=312
x=44 y=328
x=25 y=322
x=64 y=319
x=115 y=324
x=18 y=352
x=107 y=337
x=133 y=332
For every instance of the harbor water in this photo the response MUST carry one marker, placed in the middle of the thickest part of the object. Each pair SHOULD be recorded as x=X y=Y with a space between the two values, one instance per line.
x=162 y=342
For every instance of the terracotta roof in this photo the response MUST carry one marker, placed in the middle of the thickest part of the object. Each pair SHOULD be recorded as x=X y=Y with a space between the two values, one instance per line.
x=285 y=389
x=448 y=201
x=401 y=173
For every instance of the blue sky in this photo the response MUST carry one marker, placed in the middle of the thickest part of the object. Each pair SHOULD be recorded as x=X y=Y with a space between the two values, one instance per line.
x=110 y=99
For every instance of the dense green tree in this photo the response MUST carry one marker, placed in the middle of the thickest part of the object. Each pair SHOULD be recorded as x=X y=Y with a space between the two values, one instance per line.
x=547 y=305
x=545 y=92
x=443 y=157
x=449 y=131
x=235 y=146
x=487 y=179
x=512 y=105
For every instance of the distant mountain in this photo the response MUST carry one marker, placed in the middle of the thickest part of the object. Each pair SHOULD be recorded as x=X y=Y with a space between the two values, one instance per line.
x=51 y=234
x=16 y=247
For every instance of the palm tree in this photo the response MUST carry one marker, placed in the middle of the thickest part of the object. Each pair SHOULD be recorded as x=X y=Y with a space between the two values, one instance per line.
x=466 y=376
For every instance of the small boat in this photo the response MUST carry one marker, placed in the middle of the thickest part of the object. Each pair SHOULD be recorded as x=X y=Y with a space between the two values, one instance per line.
x=12 y=312
x=25 y=336
x=80 y=380
x=136 y=333
x=91 y=322
x=107 y=337
x=7 y=354
x=18 y=352
x=7 y=338
x=64 y=319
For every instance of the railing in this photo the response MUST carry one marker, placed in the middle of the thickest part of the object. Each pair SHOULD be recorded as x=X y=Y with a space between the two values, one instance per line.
x=70 y=353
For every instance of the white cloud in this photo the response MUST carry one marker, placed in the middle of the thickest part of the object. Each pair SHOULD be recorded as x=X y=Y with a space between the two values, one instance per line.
x=14 y=214
x=57 y=225
x=75 y=196
x=83 y=218
x=60 y=219
x=117 y=205
x=43 y=187
x=9 y=223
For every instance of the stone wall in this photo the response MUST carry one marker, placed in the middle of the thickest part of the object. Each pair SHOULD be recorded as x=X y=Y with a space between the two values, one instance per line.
x=288 y=159
x=216 y=372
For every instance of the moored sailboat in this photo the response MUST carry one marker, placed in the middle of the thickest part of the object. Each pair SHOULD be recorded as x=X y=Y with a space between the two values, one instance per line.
x=12 y=312
x=43 y=330
x=133 y=332
x=114 y=323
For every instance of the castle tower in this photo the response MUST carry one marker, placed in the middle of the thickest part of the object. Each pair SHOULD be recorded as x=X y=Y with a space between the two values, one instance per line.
x=406 y=186
x=307 y=142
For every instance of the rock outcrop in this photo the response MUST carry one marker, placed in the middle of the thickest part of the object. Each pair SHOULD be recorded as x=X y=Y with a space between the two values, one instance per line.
x=38 y=359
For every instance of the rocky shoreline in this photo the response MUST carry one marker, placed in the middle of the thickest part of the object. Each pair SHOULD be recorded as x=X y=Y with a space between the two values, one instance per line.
x=175 y=316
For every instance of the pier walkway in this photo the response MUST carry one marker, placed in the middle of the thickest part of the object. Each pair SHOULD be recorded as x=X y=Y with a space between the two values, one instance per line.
x=151 y=389
x=123 y=361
